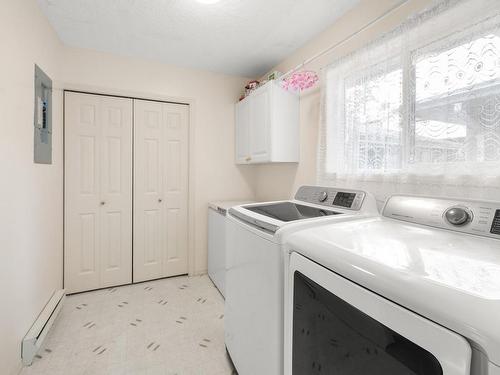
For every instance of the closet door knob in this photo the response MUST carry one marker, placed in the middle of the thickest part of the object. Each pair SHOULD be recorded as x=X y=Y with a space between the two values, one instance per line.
x=160 y=200
x=103 y=203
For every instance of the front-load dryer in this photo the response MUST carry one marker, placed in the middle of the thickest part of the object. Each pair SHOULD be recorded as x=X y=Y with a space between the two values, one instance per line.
x=414 y=291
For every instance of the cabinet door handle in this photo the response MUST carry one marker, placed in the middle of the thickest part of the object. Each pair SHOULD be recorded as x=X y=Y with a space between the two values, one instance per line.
x=103 y=203
x=160 y=200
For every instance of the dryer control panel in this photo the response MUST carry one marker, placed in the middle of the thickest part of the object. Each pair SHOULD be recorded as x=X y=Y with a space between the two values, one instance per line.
x=331 y=197
x=466 y=216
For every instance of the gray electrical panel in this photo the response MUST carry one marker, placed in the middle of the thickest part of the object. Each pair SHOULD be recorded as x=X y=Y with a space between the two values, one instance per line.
x=43 y=118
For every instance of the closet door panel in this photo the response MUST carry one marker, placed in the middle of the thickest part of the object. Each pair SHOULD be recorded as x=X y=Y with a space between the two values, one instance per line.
x=160 y=189
x=82 y=192
x=98 y=191
x=176 y=119
x=116 y=191
x=148 y=190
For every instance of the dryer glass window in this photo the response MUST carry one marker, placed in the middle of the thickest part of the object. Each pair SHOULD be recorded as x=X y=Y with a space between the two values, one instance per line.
x=332 y=337
x=288 y=211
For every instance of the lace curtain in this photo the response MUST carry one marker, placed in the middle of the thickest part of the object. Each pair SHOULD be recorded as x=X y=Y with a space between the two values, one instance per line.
x=418 y=110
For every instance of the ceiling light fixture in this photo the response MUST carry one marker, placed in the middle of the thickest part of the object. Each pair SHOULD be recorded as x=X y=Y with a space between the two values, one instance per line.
x=208 y=1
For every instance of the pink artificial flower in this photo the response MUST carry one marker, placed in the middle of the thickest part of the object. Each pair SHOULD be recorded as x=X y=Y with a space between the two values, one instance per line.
x=300 y=80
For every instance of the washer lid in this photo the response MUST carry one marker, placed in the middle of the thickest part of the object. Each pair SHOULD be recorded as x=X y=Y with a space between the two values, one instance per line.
x=449 y=277
x=290 y=211
x=223 y=206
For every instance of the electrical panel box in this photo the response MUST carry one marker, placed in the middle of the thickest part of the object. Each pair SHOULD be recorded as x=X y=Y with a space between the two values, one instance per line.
x=43 y=118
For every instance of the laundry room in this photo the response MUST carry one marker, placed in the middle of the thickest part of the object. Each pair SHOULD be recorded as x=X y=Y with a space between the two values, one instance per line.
x=284 y=187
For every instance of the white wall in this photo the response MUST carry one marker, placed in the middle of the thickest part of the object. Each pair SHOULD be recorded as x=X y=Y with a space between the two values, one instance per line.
x=31 y=194
x=216 y=177
x=281 y=181
x=31 y=204
x=31 y=221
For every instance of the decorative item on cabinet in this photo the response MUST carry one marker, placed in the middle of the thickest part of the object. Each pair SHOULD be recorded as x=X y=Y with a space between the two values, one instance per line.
x=274 y=75
x=267 y=126
x=251 y=86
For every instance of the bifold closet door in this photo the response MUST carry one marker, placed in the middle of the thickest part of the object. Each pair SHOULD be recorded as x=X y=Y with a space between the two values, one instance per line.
x=161 y=132
x=98 y=191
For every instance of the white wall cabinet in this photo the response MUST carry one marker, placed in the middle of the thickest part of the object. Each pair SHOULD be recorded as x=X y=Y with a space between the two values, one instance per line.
x=267 y=126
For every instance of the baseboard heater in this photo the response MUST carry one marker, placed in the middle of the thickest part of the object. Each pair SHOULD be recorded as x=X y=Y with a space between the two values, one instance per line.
x=35 y=336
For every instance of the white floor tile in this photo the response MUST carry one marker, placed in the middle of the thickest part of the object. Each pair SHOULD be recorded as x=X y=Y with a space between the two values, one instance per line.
x=170 y=326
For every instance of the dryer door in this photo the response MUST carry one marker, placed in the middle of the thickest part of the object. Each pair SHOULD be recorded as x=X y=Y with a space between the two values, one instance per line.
x=337 y=327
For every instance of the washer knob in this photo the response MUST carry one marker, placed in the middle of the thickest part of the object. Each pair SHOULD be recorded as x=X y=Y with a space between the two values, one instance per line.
x=458 y=215
x=323 y=196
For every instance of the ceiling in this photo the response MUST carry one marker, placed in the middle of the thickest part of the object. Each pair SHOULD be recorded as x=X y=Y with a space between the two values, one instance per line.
x=240 y=37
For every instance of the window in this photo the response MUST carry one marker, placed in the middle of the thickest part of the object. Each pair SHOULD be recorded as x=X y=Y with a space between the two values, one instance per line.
x=374 y=122
x=423 y=100
x=457 y=103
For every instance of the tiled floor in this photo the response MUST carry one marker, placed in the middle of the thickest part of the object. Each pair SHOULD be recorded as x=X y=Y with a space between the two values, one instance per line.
x=170 y=326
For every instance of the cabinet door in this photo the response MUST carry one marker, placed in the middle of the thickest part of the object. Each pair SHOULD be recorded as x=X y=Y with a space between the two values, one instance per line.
x=260 y=120
x=161 y=157
x=242 y=141
x=98 y=189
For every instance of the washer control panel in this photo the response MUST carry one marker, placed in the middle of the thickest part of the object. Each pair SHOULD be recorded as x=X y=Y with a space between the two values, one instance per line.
x=331 y=197
x=458 y=216
x=495 y=225
x=323 y=196
x=467 y=216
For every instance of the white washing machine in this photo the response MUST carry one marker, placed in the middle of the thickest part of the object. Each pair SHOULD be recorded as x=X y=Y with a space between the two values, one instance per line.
x=414 y=291
x=217 y=212
x=254 y=268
